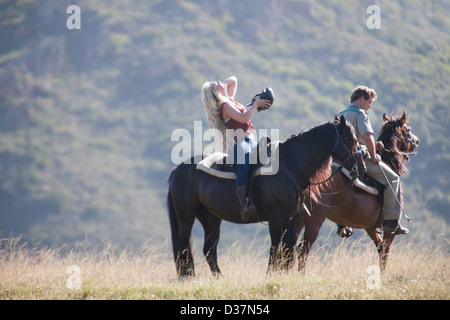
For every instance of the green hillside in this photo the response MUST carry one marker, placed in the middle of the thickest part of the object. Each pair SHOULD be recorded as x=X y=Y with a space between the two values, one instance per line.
x=86 y=116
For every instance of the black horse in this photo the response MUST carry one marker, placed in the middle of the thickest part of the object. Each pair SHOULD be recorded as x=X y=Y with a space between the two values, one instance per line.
x=196 y=194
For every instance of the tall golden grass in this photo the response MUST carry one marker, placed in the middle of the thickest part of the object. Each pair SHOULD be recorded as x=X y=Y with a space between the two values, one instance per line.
x=340 y=272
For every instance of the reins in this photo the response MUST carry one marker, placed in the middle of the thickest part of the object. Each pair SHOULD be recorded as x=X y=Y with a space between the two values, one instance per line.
x=302 y=183
x=411 y=153
x=403 y=153
x=392 y=190
x=339 y=169
x=351 y=184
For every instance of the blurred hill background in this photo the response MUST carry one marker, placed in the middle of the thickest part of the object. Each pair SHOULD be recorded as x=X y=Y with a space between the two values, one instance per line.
x=86 y=116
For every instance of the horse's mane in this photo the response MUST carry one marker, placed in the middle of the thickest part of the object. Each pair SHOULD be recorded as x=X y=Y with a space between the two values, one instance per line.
x=311 y=134
x=393 y=157
x=310 y=137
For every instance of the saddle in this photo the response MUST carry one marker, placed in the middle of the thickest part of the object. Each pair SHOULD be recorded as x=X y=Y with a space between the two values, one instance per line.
x=221 y=165
x=365 y=183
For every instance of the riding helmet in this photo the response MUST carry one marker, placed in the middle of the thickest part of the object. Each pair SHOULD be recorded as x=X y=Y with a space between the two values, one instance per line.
x=266 y=94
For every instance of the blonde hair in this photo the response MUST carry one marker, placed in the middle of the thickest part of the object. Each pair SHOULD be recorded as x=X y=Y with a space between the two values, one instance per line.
x=212 y=101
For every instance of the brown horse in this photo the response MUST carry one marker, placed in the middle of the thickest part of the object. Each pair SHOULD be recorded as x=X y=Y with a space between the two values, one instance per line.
x=352 y=207
x=195 y=194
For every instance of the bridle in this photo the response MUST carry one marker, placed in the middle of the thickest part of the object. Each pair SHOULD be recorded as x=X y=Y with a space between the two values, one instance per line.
x=302 y=183
x=350 y=155
x=407 y=140
x=354 y=173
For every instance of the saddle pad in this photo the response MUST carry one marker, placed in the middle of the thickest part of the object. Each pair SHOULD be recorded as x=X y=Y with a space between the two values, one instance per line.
x=205 y=165
x=267 y=169
x=358 y=183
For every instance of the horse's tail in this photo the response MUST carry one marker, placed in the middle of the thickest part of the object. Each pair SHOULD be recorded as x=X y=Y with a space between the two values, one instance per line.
x=173 y=220
x=173 y=223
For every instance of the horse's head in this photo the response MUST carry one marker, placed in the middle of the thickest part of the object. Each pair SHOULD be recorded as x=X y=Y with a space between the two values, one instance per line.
x=398 y=140
x=345 y=148
x=398 y=129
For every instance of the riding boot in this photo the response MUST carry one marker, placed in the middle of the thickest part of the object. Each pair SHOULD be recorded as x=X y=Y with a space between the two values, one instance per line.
x=344 y=232
x=248 y=209
x=394 y=227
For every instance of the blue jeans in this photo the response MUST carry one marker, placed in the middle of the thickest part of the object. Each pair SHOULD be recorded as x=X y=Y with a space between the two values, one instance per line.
x=242 y=150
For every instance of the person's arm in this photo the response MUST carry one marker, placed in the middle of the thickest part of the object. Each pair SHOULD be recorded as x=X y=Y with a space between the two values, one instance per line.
x=369 y=141
x=229 y=111
x=231 y=83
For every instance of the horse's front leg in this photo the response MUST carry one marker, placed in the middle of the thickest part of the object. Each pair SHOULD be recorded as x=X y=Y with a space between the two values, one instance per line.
x=383 y=245
x=312 y=228
x=384 y=249
x=276 y=249
x=289 y=240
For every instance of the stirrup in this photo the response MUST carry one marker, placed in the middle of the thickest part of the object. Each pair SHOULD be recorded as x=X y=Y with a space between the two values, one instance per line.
x=248 y=212
x=401 y=230
x=394 y=228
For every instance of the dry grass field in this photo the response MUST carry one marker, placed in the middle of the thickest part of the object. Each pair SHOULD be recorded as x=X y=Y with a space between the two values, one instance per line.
x=342 y=272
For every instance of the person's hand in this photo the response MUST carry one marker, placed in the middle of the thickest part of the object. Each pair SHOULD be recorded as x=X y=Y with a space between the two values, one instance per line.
x=376 y=158
x=379 y=146
x=262 y=103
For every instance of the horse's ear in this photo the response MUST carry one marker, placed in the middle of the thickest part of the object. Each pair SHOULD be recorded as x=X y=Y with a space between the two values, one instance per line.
x=336 y=118
x=403 y=117
x=385 y=117
x=342 y=120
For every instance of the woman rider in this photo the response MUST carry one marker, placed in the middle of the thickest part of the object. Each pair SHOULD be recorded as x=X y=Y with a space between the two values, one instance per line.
x=224 y=113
